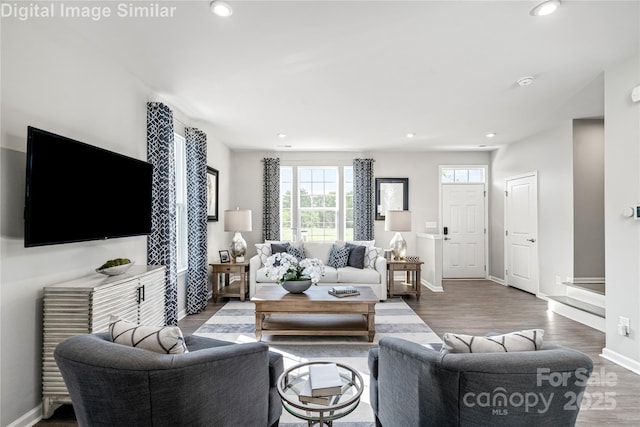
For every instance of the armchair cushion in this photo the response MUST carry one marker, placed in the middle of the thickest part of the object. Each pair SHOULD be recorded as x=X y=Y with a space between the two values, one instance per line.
x=161 y=339
x=527 y=340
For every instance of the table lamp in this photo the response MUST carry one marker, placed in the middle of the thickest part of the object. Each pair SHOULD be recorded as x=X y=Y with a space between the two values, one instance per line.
x=237 y=220
x=398 y=221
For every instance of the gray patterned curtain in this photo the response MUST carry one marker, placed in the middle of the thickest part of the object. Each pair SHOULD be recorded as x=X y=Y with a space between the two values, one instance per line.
x=271 y=199
x=161 y=243
x=363 y=199
x=196 y=152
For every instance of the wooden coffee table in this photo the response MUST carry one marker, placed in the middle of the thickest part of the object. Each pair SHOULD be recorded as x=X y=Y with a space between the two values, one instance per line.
x=314 y=312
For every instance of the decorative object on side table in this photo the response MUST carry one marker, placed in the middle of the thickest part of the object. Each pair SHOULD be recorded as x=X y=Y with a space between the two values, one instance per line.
x=224 y=256
x=116 y=266
x=398 y=221
x=293 y=275
x=238 y=220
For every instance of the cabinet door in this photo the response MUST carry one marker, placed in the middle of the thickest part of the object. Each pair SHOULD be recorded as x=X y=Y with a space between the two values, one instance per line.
x=119 y=300
x=151 y=308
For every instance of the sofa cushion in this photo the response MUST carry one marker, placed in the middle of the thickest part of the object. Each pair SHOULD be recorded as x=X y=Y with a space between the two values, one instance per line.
x=319 y=250
x=161 y=339
x=330 y=275
x=527 y=340
x=357 y=254
x=264 y=251
x=277 y=248
x=338 y=257
x=371 y=255
x=357 y=275
x=296 y=251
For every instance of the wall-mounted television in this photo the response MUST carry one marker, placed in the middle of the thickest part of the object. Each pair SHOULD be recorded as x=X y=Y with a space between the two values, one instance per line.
x=77 y=192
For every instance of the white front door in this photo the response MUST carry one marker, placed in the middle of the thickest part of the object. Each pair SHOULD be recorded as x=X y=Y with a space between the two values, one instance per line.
x=521 y=230
x=463 y=249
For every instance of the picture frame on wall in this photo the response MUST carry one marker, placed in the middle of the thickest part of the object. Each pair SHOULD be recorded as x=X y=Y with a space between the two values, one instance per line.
x=212 y=194
x=224 y=256
x=392 y=194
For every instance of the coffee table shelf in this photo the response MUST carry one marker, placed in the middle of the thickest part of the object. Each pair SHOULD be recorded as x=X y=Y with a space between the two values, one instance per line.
x=314 y=312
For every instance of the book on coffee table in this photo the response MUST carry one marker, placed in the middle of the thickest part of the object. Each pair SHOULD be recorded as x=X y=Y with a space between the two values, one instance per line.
x=324 y=379
x=343 y=291
x=305 y=395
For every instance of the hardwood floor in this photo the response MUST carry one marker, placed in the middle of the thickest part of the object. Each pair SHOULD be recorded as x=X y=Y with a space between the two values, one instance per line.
x=478 y=307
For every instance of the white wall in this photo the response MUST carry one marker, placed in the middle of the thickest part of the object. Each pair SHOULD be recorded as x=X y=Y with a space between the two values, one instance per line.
x=622 y=189
x=53 y=80
x=421 y=168
x=588 y=198
x=550 y=153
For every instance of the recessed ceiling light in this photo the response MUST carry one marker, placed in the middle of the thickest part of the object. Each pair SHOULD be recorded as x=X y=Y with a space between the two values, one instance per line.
x=221 y=8
x=490 y=135
x=545 y=8
x=525 y=81
x=411 y=135
x=282 y=135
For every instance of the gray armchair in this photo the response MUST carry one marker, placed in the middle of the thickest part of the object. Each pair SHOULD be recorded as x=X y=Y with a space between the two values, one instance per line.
x=415 y=386
x=217 y=383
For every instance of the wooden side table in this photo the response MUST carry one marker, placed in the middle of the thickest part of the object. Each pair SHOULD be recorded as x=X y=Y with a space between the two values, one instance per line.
x=411 y=285
x=221 y=272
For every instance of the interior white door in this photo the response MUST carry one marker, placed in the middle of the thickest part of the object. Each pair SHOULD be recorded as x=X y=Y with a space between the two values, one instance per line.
x=521 y=230
x=463 y=249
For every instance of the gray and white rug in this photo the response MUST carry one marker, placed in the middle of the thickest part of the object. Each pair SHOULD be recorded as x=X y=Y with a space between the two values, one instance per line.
x=235 y=322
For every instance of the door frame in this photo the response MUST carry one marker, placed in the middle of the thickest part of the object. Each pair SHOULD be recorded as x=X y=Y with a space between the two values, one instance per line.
x=533 y=174
x=485 y=168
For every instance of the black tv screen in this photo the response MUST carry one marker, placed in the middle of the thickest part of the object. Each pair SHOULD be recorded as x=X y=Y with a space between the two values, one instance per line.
x=77 y=192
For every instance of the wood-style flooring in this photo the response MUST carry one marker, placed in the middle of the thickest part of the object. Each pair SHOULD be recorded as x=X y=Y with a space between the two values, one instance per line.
x=481 y=306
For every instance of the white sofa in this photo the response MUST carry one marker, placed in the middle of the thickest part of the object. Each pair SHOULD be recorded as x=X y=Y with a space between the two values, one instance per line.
x=374 y=276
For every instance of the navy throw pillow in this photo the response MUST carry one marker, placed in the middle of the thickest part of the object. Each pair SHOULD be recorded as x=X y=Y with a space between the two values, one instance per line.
x=279 y=247
x=356 y=255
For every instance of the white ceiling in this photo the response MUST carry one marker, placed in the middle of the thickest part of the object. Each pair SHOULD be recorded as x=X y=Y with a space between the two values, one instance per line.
x=360 y=75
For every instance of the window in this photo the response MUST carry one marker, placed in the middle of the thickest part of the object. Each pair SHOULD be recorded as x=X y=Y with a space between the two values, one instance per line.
x=310 y=203
x=462 y=175
x=181 y=202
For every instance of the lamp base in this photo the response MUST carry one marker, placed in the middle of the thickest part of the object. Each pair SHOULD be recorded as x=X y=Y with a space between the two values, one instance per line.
x=398 y=246
x=238 y=246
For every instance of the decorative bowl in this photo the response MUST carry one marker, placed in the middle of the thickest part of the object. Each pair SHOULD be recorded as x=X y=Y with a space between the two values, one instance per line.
x=115 y=270
x=296 y=286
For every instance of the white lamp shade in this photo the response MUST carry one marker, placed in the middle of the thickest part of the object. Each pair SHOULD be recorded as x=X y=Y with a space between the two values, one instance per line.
x=237 y=220
x=397 y=221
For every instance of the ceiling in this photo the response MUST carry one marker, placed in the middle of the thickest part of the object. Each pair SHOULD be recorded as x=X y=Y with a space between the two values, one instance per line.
x=360 y=75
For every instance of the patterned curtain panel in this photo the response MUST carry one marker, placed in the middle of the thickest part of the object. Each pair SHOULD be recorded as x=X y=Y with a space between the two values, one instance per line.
x=161 y=243
x=363 y=199
x=196 y=147
x=271 y=199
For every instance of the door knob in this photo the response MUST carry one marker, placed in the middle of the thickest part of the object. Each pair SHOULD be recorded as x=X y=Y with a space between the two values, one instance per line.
x=531 y=240
x=447 y=238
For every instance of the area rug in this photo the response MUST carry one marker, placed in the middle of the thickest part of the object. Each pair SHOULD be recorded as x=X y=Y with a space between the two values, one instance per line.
x=235 y=322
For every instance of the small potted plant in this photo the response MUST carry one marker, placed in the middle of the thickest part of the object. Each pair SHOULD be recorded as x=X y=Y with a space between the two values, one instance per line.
x=293 y=275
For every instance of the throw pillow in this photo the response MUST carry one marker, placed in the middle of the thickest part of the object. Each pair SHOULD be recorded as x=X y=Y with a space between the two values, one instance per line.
x=527 y=340
x=356 y=255
x=296 y=251
x=338 y=257
x=277 y=248
x=264 y=251
x=370 y=256
x=161 y=339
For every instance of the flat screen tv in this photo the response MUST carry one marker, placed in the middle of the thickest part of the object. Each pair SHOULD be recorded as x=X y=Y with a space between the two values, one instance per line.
x=77 y=192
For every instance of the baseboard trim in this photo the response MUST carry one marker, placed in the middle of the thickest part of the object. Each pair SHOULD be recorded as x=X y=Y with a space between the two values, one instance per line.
x=29 y=419
x=619 y=359
x=497 y=280
x=431 y=287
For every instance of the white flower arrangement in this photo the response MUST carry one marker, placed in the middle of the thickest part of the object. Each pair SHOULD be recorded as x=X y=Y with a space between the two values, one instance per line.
x=283 y=266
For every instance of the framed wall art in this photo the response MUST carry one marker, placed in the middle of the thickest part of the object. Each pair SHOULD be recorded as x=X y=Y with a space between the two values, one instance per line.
x=212 y=194
x=392 y=194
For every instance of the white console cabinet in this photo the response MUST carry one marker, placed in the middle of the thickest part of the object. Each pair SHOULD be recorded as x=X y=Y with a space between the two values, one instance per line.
x=84 y=305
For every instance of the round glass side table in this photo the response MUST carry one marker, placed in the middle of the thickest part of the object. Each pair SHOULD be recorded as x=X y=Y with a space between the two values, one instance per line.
x=293 y=381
